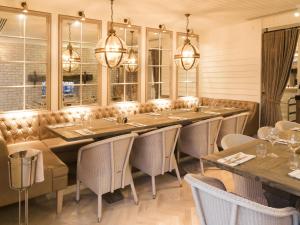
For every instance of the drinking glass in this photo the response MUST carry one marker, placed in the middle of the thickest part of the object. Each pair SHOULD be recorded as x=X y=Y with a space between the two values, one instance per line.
x=293 y=161
x=261 y=150
x=294 y=145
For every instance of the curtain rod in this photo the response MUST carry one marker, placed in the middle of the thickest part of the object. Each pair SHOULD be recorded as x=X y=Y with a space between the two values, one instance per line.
x=266 y=30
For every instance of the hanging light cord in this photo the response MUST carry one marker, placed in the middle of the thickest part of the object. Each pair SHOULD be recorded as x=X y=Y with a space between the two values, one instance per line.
x=187 y=25
x=111 y=14
x=69 y=32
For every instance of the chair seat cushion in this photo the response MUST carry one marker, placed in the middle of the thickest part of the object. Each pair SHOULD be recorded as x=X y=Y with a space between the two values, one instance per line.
x=51 y=161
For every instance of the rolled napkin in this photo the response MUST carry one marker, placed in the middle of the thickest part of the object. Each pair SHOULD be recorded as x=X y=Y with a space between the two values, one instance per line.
x=295 y=174
x=236 y=159
x=177 y=118
x=136 y=124
x=39 y=175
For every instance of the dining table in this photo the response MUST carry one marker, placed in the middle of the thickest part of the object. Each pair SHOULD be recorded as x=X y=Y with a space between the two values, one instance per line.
x=273 y=170
x=99 y=129
x=108 y=127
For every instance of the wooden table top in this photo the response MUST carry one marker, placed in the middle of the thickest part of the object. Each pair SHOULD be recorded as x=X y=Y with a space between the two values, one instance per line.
x=104 y=128
x=270 y=171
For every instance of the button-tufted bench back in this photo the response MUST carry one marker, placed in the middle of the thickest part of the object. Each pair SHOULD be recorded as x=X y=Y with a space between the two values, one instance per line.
x=253 y=107
x=185 y=102
x=161 y=104
x=19 y=126
x=127 y=108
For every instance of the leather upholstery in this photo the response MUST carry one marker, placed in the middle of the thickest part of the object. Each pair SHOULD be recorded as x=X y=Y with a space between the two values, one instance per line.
x=253 y=108
x=186 y=102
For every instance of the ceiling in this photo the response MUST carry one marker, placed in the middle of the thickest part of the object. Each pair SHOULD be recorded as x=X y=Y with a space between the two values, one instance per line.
x=205 y=13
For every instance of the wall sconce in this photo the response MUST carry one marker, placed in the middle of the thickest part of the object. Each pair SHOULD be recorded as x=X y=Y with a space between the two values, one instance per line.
x=162 y=27
x=24 y=7
x=127 y=21
x=81 y=14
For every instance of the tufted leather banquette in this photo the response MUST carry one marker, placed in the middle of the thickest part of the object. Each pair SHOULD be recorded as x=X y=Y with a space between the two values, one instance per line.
x=253 y=108
x=28 y=129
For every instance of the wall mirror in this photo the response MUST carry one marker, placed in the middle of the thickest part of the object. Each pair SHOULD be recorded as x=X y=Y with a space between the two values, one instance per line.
x=79 y=71
x=124 y=81
x=159 y=63
x=24 y=60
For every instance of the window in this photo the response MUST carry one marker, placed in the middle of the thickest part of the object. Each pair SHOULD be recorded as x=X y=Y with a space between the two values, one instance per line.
x=24 y=60
x=159 y=63
x=187 y=81
x=123 y=85
x=80 y=73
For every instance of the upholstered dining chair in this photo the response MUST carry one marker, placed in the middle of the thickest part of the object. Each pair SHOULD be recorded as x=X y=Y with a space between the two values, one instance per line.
x=153 y=153
x=103 y=167
x=286 y=125
x=200 y=138
x=263 y=132
x=233 y=125
x=215 y=206
x=243 y=186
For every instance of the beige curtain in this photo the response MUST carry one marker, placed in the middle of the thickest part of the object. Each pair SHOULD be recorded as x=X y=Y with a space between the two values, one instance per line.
x=277 y=57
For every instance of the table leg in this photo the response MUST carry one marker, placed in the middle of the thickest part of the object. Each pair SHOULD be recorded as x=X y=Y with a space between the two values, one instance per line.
x=279 y=199
x=113 y=197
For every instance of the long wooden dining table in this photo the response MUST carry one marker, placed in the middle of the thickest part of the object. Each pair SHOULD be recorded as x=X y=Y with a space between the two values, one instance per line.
x=272 y=171
x=107 y=127
x=140 y=123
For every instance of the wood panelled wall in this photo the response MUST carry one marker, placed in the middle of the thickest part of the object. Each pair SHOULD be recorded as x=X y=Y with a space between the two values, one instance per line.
x=230 y=63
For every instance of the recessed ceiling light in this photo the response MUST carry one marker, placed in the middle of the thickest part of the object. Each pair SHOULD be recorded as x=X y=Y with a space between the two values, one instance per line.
x=297 y=14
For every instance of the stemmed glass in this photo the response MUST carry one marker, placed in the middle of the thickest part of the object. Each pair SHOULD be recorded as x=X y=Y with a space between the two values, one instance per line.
x=272 y=137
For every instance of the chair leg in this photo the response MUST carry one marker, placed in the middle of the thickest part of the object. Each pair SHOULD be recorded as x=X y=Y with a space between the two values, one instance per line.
x=178 y=155
x=59 y=200
x=178 y=175
x=99 y=210
x=153 y=187
x=201 y=167
x=78 y=191
x=135 y=197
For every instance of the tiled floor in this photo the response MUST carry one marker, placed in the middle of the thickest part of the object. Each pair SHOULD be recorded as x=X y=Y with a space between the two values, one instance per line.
x=172 y=206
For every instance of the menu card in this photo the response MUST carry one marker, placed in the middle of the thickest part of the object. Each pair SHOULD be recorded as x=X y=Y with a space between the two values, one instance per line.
x=295 y=174
x=84 y=132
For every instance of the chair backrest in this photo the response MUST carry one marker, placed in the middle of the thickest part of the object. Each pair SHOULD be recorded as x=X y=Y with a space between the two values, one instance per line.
x=286 y=125
x=217 y=207
x=232 y=140
x=109 y=161
x=199 y=139
x=233 y=125
x=159 y=145
x=263 y=132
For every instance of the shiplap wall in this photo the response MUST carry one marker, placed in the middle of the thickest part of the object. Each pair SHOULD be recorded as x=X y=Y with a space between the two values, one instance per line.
x=230 y=65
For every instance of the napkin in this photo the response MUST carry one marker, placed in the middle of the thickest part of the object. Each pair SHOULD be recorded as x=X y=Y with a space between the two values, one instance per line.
x=153 y=114
x=61 y=125
x=111 y=119
x=236 y=159
x=177 y=118
x=135 y=124
x=295 y=174
x=84 y=132
x=211 y=112
x=296 y=129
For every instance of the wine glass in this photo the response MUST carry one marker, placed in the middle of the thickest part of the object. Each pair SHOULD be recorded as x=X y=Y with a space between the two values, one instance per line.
x=272 y=137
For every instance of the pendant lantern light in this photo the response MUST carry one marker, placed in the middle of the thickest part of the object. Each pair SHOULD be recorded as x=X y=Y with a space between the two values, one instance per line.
x=111 y=51
x=131 y=64
x=70 y=58
x=187 y=56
